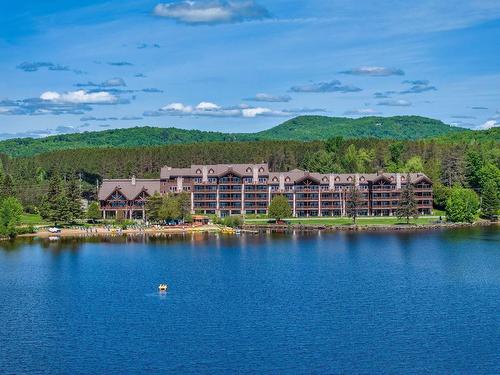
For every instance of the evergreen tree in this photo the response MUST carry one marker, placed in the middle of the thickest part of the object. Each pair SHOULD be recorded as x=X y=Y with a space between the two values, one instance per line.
x=462 y=205
x=153 y=205
x=396 y=151
x=452 y=170
x=279 y=208
x=93 y=212
x=7 y=187
x=353 y=201
x=74 y=200
x=490 y=203
x=407 y=206
x=56 y=207
x=473 y=164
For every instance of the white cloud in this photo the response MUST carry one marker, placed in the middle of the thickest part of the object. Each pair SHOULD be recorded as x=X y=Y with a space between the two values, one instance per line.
x=488 y=125
x=207 y=106
x=79 y=97
x=214 y=110
x=254 y=112
x=211 y=12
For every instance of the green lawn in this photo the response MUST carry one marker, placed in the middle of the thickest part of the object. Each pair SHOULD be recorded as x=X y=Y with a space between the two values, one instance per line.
x=32 y=219
x=343 y=221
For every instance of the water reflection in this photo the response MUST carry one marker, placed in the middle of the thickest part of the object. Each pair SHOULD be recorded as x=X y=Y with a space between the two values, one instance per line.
x=404 y=242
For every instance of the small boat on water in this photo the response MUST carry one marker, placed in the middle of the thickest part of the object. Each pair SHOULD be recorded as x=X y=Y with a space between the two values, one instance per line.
x=163 y=287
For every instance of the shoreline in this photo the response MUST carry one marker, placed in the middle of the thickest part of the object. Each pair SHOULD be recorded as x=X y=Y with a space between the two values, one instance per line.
x=365 y=227
x=255 y=229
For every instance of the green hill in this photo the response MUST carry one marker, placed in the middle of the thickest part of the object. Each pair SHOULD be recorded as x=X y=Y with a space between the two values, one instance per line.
x=321 y=127
x=302 y=128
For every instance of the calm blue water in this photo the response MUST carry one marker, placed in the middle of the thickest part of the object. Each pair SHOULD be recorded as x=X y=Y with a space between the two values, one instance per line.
x=361 y=303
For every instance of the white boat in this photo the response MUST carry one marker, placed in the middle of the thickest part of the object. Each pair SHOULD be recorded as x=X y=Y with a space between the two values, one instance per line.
x=54 y=230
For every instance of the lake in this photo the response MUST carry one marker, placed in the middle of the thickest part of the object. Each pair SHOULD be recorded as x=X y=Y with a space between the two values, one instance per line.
x=352 y=303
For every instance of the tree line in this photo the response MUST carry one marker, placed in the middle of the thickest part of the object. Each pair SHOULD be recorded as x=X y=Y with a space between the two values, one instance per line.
x=452 y=165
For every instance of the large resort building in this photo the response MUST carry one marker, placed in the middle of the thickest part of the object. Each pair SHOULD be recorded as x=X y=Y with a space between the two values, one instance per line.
x=236 y=189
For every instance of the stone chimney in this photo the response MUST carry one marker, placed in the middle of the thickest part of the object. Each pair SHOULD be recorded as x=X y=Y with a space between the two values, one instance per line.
x=331 y=181
x=133 y=180
x=204 y=172
x=398 y=181
x=255 y=171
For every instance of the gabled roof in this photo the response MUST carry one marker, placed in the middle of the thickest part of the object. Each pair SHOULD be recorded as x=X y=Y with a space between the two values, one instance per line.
x=129 y=190
x=244 y=170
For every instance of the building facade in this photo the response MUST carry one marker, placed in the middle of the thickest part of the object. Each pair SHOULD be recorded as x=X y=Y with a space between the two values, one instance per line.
x=238 y=189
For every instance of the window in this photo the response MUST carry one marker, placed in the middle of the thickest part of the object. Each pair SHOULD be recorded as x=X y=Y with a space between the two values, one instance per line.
x=249 y=170
x=211 y=171
x=198 y=171
x=261 y=170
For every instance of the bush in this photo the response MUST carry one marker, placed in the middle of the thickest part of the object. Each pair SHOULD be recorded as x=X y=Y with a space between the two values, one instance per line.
x=26 y=230
x=462 y=205
x=232 y=221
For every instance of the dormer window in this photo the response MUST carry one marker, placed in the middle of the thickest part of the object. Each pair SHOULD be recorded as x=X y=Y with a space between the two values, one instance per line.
x=325 y=179
x=198 y=171
x=275 y=179
x=349 y=179
x=362 y=179
x=211 y=171
x=261 y=170
x=337 y=179
x=249 y=170
x=287 y=179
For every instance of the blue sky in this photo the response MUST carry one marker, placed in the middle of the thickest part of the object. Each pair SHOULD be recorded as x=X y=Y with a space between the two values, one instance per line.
x=244 y=66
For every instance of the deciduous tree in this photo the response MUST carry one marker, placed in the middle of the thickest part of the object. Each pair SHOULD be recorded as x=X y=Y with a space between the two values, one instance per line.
x=280 y=208
x=462 y=205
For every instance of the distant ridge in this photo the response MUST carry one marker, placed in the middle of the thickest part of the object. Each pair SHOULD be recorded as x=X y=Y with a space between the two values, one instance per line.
x=302 y=128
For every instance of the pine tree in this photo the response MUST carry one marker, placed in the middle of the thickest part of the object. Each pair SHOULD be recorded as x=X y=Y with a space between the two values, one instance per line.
x=353 y=201
x=407 y=206
x=7 y=187
x=74 y=200
x=56 y=207
x=490 y=203
x=93 y=212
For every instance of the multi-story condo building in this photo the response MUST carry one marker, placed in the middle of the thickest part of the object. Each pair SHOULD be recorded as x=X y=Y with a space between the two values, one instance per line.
x=235 y=189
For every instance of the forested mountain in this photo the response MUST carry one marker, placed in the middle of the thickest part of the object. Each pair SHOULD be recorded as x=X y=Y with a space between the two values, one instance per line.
x=322 y=127
x=302 y=128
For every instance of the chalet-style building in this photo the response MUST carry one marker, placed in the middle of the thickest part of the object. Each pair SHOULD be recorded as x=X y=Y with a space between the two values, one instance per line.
x=236 y=189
